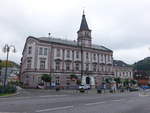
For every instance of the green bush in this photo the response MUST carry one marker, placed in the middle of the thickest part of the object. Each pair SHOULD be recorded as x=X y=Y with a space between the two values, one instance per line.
x=7 y=89
x=82 y=90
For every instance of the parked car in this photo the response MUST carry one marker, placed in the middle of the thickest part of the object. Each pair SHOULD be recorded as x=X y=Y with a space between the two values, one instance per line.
x=84 y=87
x=145 y=87
x=131 y=89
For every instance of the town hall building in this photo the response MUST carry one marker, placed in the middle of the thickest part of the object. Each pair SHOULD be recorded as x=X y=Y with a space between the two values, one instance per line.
x=59 y=58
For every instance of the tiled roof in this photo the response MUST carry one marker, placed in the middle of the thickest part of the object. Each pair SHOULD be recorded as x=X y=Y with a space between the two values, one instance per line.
x=120 y=63
x=70 y=43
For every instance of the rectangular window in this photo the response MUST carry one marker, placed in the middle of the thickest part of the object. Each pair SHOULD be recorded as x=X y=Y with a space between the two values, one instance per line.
x=45 y=51
x=67 y=66
x=77 y=67
x=58 y=53
x=102 y=68
x=41 y=51
x=57 y=82
x=77 y=54
x=87 y=55
x=57 y=65
x=94 y=56
x=30 y=50
x=94 y=67
x=68 y=53
x=101 y=58
x=130 y=74
x=87 y=67
x=42 y=63
x=29 y=62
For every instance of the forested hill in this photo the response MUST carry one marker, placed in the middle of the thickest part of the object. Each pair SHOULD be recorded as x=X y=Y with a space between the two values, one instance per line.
x=10 y=64
x=143 y=65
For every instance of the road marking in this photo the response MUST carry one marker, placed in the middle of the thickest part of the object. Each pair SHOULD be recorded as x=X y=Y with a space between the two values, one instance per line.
x=13 y=112
x=54 y=109
x=116 y=100
x=88 y=104
x=53 y=96
x=143 y=95
x=15 y=98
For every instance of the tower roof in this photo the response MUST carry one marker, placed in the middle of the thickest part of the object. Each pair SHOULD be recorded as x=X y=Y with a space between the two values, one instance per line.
x=84 y=25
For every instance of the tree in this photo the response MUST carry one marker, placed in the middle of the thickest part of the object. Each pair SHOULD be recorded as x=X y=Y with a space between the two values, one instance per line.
x=46 y=78
x=133 y=82
x=78 y=82
x=3 y=64
x=108 y=80
x=0 y=64
x=126 y=82
x=75 y=79
x=118 y=80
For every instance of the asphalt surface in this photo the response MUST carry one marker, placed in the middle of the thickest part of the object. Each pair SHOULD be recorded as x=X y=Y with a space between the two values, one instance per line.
x=45 y=101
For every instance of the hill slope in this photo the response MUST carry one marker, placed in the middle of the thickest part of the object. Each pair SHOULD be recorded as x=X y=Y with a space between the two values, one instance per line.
x=10 y=64
x=143 y=65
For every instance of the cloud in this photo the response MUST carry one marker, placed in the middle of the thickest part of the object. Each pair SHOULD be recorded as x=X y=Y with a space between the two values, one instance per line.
x=122 y=26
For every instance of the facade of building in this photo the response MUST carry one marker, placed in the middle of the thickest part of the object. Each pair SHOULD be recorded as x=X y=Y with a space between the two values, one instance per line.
x=142 y=77
x=59 y=58
x=122 y=70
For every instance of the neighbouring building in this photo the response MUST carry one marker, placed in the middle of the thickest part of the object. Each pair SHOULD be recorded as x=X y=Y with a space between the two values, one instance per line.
x=142 y=77
x=122 y=70
x=11 y=72
x=59 y=58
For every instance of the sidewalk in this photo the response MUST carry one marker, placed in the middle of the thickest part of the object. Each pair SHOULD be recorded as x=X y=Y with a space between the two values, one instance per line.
x=42 y=92
x=89 y=92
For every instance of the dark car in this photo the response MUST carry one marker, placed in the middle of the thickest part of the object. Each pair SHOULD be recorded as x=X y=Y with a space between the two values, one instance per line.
x=131 y=89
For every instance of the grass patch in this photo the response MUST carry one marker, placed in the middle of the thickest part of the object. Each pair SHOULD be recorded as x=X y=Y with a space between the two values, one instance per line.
x=7 y=94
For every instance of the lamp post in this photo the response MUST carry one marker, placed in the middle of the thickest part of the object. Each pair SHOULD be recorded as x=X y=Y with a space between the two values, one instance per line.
x=6 y=49
x=0 y=71
x=81 y=63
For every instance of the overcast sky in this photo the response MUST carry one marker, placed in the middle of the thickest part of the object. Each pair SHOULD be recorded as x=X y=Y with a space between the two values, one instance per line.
x=120 y=25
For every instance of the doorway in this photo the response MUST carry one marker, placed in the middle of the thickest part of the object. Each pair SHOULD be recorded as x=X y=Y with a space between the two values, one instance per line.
x=88 y=80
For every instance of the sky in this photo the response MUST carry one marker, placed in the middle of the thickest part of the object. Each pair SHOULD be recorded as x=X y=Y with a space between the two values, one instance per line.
x=120 y=25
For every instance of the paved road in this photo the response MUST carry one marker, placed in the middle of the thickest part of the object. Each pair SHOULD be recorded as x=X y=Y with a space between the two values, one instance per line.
x=75 y=103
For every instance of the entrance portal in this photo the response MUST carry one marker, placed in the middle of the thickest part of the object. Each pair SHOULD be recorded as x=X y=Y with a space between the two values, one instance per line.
x=88 y=80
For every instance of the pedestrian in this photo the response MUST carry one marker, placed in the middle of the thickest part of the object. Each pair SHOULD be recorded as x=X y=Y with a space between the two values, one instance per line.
x=104 y=87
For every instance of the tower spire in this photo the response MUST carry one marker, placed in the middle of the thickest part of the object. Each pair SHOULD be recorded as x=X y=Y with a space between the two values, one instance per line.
x=84 y=33
x=83 y=12
x=84 y=25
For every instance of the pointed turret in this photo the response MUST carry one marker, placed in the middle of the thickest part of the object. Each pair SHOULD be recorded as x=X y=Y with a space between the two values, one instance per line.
x=84 y=25
x=84 y=33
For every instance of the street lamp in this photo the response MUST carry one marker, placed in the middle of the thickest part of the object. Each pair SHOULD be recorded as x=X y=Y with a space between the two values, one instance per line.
x=6 y=49
x=82 y=65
